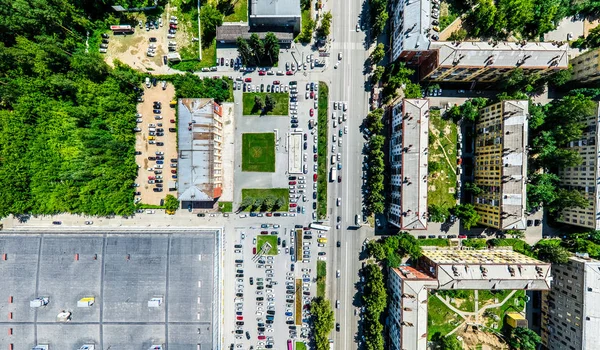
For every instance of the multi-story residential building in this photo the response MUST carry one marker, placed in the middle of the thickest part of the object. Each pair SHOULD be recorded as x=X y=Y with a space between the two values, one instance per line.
x=408 y=158
x=583 y=178
x=586 y=67
x=416 y=42
x=453 y=269
x=486 y=62
x=200 y=145
x=500 y=164
x=570 y=310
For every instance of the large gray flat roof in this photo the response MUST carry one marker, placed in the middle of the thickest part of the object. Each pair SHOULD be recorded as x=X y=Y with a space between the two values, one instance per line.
x=122 y=271
x=502 y=54
x=274 y=8
x=415 y=24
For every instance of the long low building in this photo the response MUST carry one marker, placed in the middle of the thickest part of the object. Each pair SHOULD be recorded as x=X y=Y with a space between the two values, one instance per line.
x=228 y=33
x=453 y=269
x=409 y=163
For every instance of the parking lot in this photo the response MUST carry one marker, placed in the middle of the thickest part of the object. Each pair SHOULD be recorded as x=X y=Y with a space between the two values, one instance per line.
x=156 y=144
x=264 y=288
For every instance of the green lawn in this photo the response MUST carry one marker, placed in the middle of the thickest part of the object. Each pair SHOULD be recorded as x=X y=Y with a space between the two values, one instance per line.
x=509 y=306
x=322 y=151
x=189 y=55
x=262 y=239
x=261 y=193
x=321 y=276
x=437 y=242
x=258 y=152
x=300 y=346
x=226 y=207
x=448 y=13
x=281 y=103
x=239 y=13
x=440 y=318
x=442 y=157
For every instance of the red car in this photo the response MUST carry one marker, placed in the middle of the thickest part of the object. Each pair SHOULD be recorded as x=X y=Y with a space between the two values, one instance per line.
x=275 y=82
x=248 y=80
x=264 y=232
x=261 y=337
x=172 y=120
x=269 y=214
x=315 y=157
x=289 y=72
x=462 y=236
x=262 y=72
x=241 y=318
x=312 y=112
x=254 y=250
x=339 y=178
x=312 y=94
x=173 y=171
x=292 y=182
x=314 y=177
x=293 y=205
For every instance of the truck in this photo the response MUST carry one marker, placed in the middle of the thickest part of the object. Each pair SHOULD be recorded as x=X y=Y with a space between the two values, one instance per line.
x=332 y=174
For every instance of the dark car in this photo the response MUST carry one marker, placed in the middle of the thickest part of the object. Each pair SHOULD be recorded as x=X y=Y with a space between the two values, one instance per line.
x=529 y=223
x=152 y=39
x=164 y=59
x=247 y=333
x=314 y=195
x=337 y=327
x=104 y=41
x=56 y=222
x=137 y=153
x=537 y=222
x=160 y=143
x=339 y=244
x=314 y=205
x=294 y=125
x=105 y=36
x=305 y=145
x=156 y=111
x=154 y=81
x=157 y=189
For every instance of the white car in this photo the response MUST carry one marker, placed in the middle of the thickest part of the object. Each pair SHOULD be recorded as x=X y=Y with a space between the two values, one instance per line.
x=346 y=129
x=339 y=201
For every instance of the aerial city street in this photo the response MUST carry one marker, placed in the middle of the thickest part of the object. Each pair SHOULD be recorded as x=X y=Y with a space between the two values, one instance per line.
x=300 y=174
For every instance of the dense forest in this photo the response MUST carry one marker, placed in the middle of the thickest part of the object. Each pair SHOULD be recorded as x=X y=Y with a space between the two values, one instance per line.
x=66 y=118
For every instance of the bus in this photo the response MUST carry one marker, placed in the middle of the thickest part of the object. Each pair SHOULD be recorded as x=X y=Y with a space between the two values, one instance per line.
x=125 y=29
x=316 y=226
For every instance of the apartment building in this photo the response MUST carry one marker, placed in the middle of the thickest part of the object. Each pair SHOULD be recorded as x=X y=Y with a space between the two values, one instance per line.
x=570 y=310
x=586 y=67
x=444 y=268
x=200 y=146
x=487 y=62
x=500 y=164
x=583 y=178
x=415 y=40
x=409 y=163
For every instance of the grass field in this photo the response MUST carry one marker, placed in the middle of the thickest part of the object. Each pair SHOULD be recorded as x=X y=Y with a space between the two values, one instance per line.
x=258 y=152
x=514 y=304
x=261 y=193
x=300 y=346
x=440 y=318
x=239 y=13
x=322 y=151
x=321 y=276
x=226 y=207
x=281 y=103
x=262 y=239
x=442 y=157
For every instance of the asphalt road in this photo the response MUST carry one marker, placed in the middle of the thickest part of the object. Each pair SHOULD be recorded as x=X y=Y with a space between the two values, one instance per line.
x=347 y=84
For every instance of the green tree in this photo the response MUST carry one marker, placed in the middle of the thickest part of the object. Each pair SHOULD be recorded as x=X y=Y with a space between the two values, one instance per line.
x=272 y=47
x=412 y=91
x=171 y=203
x=269 y=102
x=325 y=28
x=437 y=213
x=246 y=202
x=542 y=189
x=550 y=250
x=322 y=322
x=377 y=74
x=458 y=35
x=269 y=203
x=245 y=51
x=570 y=199
x=467 y=214
x=469 y=111
x=258 y=103
x=278 y=203
x=374 y=122
x=523 y=338
x=377 y=54
x=473 y=188
x=517 y=14
x=537 y=115
x=449 y=342
x=308 y=28
x=257 y=46
x=210 y=19
x=258 y=202
x=305 y=4
x=380 y=22
x=484 y=15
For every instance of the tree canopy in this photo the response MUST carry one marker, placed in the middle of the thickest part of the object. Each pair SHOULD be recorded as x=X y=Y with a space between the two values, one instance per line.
x=323 y=319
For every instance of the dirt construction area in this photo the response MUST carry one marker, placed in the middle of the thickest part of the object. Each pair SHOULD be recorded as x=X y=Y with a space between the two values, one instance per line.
x=131 y=49
x=152 y=168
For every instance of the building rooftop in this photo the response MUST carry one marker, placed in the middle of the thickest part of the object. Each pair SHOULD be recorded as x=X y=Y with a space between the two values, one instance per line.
x=416 y=23
x=274 y=8
x=486 y=269
x=503 y=54
x=198 y=149
x=229 y=32
x=514 y=164
x=410 y=273
x=122 y=271
x=415 y=127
